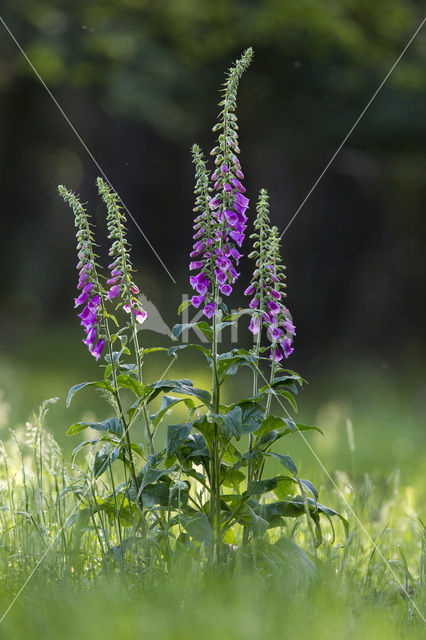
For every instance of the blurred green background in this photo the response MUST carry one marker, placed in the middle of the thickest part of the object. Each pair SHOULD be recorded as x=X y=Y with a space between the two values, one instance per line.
x=139 y=80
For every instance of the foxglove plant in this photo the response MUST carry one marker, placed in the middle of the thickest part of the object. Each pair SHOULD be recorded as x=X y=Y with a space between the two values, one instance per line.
x=203 y=486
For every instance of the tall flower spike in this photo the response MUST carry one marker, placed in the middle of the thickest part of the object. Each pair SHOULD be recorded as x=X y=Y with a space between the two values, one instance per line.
x=220 y=227
x=267 y=288
x=120 y=281
x=205 y=227
x=91 y=294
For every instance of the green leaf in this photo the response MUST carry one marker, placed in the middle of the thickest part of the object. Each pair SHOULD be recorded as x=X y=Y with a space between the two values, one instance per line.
x=236 y=316
x=153 y=350
x=231 y=477
x=307 y=484
x=102 y=461
x=112 y=425
x=81 y=446
x=127 y=382
x=229 y=363
x=167 y=402
x=252 y=415
x=304 y=427
x=185 y=304
x=176 y=435
x=101 y=384
x=151 y=476
x=285 y=460
x=258 y=524
x=233 y=422
x=199 y=528
x=259 y=487
x=202 y=326
x=172 y=350
x=183 y=386
x=206 y=428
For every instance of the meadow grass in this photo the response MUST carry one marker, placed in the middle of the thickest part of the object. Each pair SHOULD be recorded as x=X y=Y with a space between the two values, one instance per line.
x=83 y=588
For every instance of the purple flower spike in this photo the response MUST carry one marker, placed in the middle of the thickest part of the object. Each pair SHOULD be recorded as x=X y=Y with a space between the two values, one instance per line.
x=224 y=168
x=249 y=291
x=210 y=309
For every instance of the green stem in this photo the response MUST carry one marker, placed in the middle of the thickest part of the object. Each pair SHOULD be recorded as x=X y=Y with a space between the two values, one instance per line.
x=215 y=467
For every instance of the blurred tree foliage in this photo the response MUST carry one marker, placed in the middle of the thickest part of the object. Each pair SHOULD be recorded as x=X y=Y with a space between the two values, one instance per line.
x=142 y=55
x=139 y=79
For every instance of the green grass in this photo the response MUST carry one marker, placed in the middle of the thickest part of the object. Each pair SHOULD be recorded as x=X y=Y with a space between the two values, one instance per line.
x=343 y=589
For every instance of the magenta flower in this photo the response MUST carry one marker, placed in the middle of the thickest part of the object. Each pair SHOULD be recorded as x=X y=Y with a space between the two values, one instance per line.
x=210 y=309
x=114 y=292
x=288 y=349
x=97 y=350
x=254 y=325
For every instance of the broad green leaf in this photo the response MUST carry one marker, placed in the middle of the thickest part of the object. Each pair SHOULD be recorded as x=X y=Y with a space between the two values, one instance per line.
x=285 y=460
x=81 y=446
x=127 y=382
x=258 y=524
x=151 y=476
x=100 y=384
x=231 y=477
x=233 y=422
x=112 y=425
x=102 y=461
x=167 y=402
x=176 y=435
x=183 y=386
x=229 y=537
x=252 y=415
x=202 y=326
x=153 y=350
x=172 y=350
x=185 y=304
x=259 y=487
x=199 y=528
x=204 y=426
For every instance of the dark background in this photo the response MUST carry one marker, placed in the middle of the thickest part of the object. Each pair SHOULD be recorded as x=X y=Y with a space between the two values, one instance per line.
x=139 y=81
